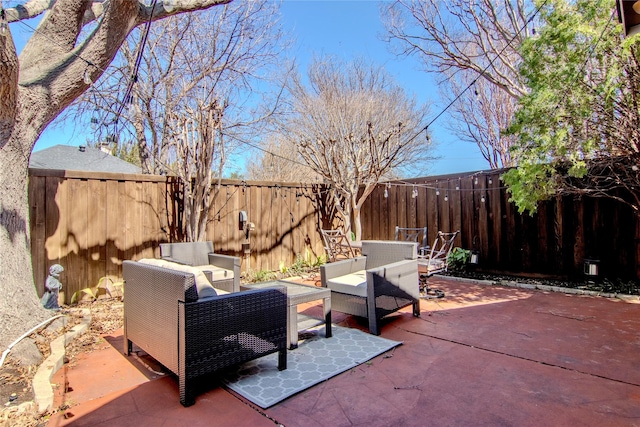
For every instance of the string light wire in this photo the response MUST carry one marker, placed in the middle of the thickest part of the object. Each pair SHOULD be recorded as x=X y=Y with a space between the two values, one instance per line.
x=484 y=70
x=134 y=76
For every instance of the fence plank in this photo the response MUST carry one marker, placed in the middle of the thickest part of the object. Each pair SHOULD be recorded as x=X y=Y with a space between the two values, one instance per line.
x=96 y=231
x=37 y=203
x=76 y=213
x=468 y=197
x=421 y=207
x=495 y=218
x=252 y=260
x=113 y=225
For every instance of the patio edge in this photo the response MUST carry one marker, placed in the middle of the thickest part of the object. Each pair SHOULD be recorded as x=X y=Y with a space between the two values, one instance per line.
x=42 y=388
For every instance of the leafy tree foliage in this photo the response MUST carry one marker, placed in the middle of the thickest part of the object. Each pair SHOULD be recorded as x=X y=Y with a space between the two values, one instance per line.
x=578 y=127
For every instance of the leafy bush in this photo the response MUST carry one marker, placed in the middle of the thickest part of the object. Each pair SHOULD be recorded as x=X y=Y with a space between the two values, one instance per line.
x=458 y=258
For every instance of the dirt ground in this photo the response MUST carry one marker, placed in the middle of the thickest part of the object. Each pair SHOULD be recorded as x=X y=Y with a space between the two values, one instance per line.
x=16 y=378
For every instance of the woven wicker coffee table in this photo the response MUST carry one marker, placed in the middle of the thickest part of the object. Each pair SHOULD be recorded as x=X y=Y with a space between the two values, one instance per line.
x=298 y=294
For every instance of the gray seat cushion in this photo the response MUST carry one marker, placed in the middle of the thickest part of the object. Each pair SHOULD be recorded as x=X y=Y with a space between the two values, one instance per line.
x=352 y=284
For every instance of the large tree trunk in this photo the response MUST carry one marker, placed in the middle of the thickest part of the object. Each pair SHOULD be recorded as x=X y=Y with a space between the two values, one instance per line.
x=20 y=307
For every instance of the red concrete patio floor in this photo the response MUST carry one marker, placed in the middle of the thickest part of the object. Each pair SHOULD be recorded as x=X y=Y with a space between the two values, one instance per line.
x=483 y=355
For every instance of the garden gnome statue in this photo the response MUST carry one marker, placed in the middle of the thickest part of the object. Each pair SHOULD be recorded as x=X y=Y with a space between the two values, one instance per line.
x=51 y=288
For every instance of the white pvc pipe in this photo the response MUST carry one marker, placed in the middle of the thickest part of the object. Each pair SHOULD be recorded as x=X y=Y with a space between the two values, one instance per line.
x=26 y=334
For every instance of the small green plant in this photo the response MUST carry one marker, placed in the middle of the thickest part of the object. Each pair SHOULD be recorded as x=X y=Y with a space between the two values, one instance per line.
x=302 y=265
x=458 y=258
x=314 y=261
x=282 y=268
x=307 y=262
x=260 y=276
x=106 y=286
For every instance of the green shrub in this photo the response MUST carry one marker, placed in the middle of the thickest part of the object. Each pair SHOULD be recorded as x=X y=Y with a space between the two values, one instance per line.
x=458 y=258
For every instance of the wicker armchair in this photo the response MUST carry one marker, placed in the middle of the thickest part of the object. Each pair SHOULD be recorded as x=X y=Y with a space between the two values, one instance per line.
x=193 y=337
x=223 y=271
x=382 y=281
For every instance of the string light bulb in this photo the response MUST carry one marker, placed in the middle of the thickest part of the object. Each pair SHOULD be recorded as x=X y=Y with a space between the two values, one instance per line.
x=437 y=192
x=87 y=76
x=131 y=103
x=386 y=193
x=446 y=197
x=169 y=5
x=414 y=193
x=4 y=27
x=482 y=199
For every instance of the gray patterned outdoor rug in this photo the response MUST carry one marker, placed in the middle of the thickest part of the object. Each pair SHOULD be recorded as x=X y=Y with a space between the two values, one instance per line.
x=315 y=360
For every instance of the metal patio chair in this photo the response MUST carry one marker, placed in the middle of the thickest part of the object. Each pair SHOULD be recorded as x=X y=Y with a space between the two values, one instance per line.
x=409 y=234
x=436 y=262
x=337 y=245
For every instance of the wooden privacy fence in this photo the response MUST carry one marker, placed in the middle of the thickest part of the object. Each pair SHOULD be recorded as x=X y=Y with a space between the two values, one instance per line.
x=554 y=241
x=90 y=222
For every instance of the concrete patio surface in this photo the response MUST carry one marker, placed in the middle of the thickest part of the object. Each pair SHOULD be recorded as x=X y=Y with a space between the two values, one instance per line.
x=483 y=355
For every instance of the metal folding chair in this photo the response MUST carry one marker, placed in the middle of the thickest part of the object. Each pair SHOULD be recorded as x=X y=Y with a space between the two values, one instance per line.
x=337 y=245
x=437 y=261
x=409 y=234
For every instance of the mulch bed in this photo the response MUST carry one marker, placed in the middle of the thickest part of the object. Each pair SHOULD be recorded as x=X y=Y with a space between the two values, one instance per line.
x=605 y=285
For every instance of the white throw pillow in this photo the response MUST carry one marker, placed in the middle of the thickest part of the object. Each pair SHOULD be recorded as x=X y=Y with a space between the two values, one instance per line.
x=202 y=283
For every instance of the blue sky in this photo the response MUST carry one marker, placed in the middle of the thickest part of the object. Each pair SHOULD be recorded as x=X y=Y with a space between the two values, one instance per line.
x=345 y=29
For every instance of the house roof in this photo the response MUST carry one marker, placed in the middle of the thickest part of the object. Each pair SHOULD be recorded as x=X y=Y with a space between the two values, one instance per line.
x=67 y=157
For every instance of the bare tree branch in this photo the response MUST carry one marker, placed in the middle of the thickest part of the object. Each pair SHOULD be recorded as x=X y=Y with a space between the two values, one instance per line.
x=353 y=125
x=468 y=42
